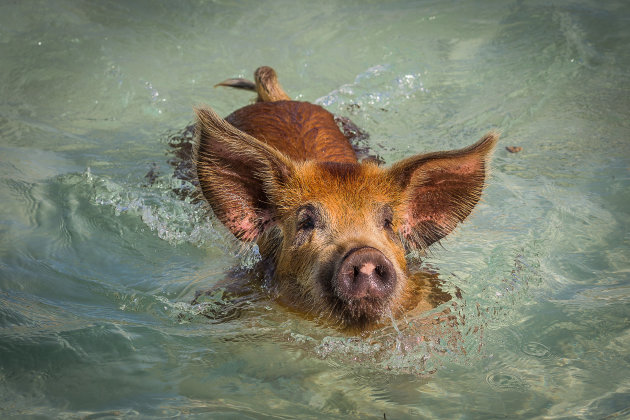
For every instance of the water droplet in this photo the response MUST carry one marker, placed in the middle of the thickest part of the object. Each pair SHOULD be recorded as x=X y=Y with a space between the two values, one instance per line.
x=391 y=316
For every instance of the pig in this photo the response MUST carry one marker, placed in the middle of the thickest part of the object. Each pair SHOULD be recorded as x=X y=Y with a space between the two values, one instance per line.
x=333 y=232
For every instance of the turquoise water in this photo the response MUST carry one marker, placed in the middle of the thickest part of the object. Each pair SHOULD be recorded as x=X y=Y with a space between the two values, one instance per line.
x=98 y=265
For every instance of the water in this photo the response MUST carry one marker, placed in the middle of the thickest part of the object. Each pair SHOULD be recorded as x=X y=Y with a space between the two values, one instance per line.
x=98 y=266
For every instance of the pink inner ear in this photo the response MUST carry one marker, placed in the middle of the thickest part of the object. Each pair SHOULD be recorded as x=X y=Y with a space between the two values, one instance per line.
x=429 y=208
x=448 y=168
x=246 y=225
x=441 y=189
x=467 y=166
x=241 y=225
x=442 y=193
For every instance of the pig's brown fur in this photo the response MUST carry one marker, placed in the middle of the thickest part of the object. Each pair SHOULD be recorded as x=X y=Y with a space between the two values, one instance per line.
x=272 y=169
x=313 y=132
x=351 y=195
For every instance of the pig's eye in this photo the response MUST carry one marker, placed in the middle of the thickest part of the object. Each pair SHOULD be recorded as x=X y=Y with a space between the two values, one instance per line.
x=307 y=218
x=387 y=218
x=306 y=223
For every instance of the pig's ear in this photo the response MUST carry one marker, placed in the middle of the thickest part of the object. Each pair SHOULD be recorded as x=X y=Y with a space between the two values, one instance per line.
x=238 y=175
x=440 y=189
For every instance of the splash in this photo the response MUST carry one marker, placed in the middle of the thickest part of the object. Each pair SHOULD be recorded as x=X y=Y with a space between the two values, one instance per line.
x=378 y=87
x=175 y=221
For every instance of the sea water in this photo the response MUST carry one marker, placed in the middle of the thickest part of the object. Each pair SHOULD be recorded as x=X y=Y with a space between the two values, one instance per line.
x=100 y=258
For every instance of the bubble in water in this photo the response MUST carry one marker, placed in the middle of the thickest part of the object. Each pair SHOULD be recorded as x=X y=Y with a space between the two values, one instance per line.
x=505 y=381
x=535 y=349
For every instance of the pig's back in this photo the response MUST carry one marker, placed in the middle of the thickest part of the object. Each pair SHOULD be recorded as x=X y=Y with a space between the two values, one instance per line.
x=300 y=130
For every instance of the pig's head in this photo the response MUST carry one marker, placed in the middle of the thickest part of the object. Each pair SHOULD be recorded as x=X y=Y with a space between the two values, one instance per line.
x=336 y=233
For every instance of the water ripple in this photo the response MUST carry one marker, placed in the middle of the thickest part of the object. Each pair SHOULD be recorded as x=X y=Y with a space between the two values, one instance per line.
x=503 y=381
x=535 y=349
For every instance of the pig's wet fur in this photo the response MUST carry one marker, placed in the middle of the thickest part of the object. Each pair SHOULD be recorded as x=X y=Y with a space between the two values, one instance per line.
x=332 y=226
x=182 y=144
x=242 y=286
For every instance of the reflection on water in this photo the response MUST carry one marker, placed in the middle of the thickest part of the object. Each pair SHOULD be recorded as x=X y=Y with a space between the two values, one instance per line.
x=102 y=249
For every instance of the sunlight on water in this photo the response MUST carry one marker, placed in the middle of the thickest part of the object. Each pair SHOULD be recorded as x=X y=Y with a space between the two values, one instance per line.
x=117 y=289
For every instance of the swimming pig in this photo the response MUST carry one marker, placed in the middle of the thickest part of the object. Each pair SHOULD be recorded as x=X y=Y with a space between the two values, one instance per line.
x=334 y=230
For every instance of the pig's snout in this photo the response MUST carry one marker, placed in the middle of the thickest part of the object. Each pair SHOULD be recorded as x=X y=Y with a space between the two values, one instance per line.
x=365 y=273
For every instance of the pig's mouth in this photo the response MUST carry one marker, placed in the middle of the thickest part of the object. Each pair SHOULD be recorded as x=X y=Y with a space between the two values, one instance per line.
x=361 y=313
x=361 y=287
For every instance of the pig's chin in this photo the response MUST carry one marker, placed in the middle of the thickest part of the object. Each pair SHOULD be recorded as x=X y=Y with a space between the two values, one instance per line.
x=362 y=313
x=356 y=314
